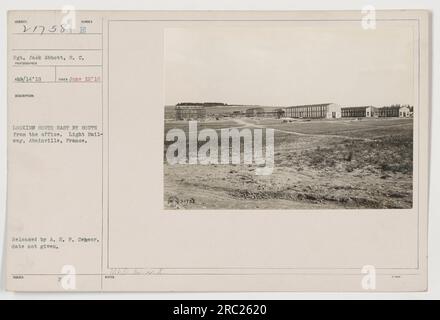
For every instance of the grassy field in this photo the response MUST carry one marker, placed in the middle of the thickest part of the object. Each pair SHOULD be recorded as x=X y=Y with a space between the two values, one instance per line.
x=323 y=164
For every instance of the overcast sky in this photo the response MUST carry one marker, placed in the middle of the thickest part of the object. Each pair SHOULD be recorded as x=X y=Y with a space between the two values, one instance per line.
x=297 y=64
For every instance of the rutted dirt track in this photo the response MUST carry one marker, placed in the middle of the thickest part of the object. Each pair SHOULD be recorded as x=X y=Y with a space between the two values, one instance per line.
x=344 y=168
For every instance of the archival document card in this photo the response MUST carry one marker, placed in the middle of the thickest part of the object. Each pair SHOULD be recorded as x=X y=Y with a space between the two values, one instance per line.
x=217 y=151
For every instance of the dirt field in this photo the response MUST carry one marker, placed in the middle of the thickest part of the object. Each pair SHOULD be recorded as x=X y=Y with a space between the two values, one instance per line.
x=324 y=164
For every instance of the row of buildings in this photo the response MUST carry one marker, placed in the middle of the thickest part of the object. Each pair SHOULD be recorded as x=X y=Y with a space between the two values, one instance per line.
x=334 y=111
x=311 y=111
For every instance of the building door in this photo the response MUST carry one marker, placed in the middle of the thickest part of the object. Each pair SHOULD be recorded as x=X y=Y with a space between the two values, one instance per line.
x=333 y=114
